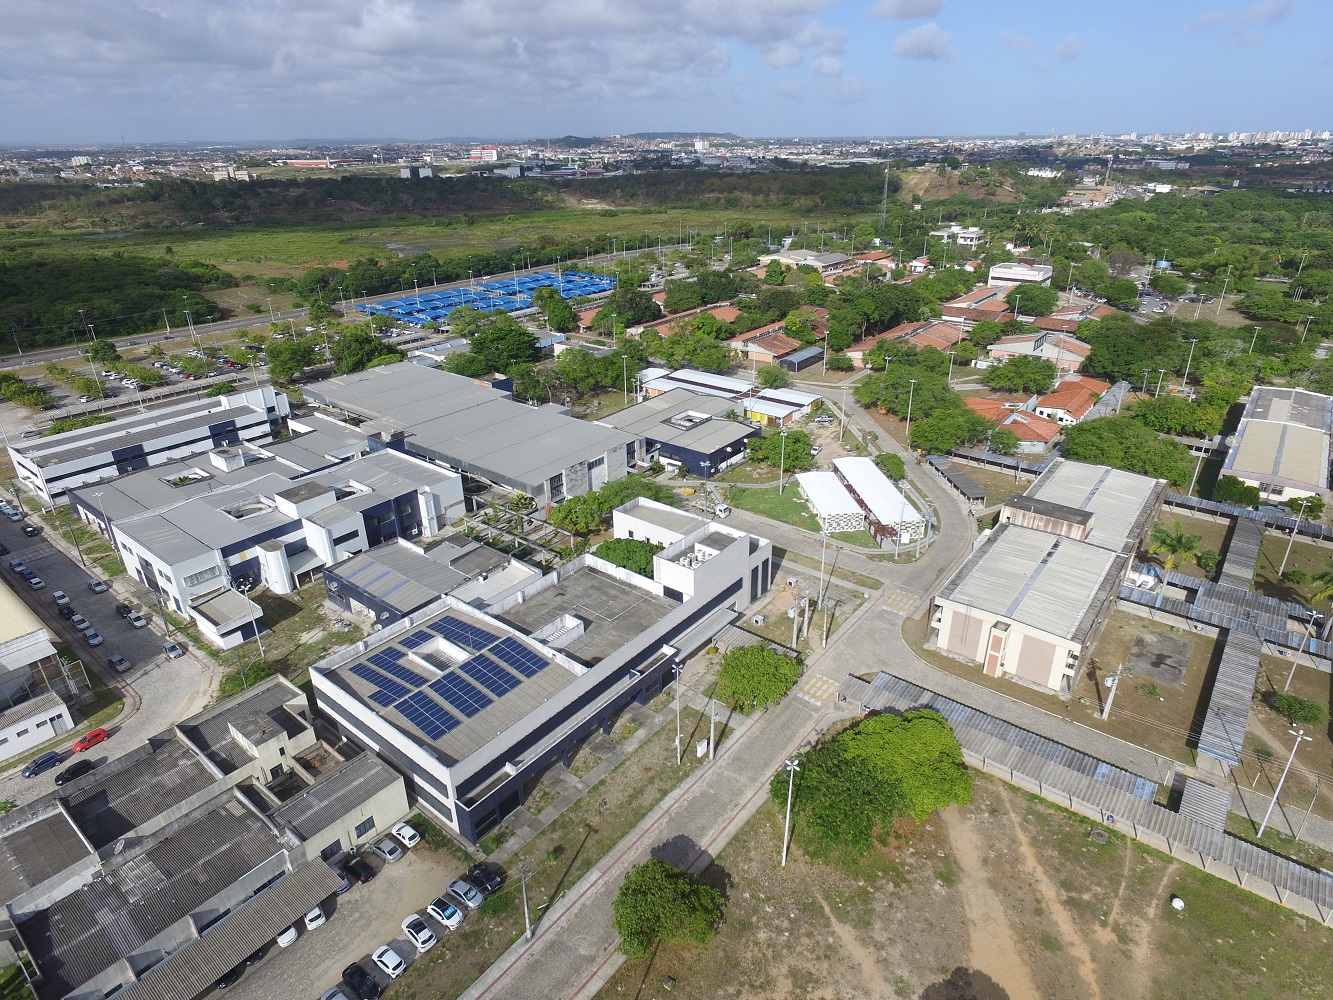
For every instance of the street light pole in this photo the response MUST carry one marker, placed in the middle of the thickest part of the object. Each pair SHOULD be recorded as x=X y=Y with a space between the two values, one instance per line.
x=1283 y=568
x=911 y=390
x=782 y=458
x=1186 y=380
x=792 y=766
x=624 y=385
x=1300 y=735
x=1161 y=374
x=680 y=750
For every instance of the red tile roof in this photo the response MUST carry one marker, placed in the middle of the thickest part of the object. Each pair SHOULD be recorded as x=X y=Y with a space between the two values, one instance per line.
x=1075 y=401
x=1028 y=426
x=938 y=335
x=1093 y=385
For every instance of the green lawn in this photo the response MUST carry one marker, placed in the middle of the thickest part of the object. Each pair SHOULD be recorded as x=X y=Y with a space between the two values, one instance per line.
x=788 y=506
x=862 y=538
x=93 y=547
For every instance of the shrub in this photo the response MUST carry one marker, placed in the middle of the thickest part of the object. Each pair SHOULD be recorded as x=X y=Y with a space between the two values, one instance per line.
x=755 y=676
x=1298 y=710
x=659 y=903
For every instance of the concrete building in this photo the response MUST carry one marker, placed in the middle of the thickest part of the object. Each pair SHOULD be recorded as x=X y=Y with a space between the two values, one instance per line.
x=270 y=529
x=824 y=263
x=684 y=428
x=855 y=486
x=1067 y=353
x=50 y=466
x=31 y=710
x=753 y=402
x=1282 y=443
x=1036 y=433
x=1019 y=273
x=161 y=870
x=480 y=431
x=388 y=583
x=978 y=305
x=472 y=705
x=1030 y=601
x=964 y=236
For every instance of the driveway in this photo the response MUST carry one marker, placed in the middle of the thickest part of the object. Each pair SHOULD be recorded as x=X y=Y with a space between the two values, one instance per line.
x=360 y=920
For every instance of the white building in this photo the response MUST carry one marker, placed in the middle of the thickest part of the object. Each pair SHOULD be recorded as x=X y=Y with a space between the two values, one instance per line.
x=853 y=495
x=753 y=401
x=31 y=712
x=472 y=705
x=1282 y=443
x=50 y=466
x=964 y=236
x=1017 y=273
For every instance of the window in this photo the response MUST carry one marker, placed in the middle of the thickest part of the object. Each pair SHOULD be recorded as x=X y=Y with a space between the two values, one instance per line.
x=21 y=732
x=203 y=575
x=332 y=851
x=556 y=487
x=342 y=539
x=365 y=826
x=282 y=751
x=3 y=740
x=275 y=773
x=629 y=453
x=41 y=723
x=597 y=463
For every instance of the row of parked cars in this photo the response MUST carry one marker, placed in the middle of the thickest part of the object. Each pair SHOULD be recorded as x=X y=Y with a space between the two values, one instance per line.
x=446 y=911
x=52 y=758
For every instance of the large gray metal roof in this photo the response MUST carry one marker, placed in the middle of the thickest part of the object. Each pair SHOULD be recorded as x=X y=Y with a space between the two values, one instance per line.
x=335 y=795
x=1121 y=502
x=1283 y=438
x=653 y=419
x=35 y=849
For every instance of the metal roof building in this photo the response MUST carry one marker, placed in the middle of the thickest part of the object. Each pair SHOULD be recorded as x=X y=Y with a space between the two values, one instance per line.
x=1282 y=443
x=686 y=428
x=830 y=502
x=1029 y=601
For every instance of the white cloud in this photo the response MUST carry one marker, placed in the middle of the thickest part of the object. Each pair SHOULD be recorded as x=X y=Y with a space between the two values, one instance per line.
x=1247 y=39
x=1207 y=21
x=906 y=10
x=1267 y=11
x=1070 y=48
x=929 y=41
x=1015 y=41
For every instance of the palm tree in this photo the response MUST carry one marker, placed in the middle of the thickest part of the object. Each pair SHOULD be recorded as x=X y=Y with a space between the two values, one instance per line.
x=1175 y=544
x=1323 y=581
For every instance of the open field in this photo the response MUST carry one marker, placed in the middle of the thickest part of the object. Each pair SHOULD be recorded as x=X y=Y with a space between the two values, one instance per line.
x=788 y=506
x=1005 y=899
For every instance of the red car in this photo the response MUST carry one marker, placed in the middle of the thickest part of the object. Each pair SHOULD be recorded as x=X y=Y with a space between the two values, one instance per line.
x=90 y=740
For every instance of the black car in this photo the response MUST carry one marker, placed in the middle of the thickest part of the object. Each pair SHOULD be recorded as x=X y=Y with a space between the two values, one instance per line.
x=123 y=610
x=254 y=959
x=361 y=982
x=359 y=870
x=4 y=550
x=66 y=611
x=487 y=878
x=76 y=770
x=230 y=978
x=31 y=530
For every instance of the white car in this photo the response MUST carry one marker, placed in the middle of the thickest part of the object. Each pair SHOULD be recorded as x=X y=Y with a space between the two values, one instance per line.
x=288 y=937
x=445 y=912
x=466 y=893
x=389 y=961
x=387 y=849
x=315 y=918
x=421 y=936
x=408 y=836
x=136 y=619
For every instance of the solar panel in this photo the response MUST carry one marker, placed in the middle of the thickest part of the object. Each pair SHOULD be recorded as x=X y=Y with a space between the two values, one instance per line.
x=462 y=633
x=391 y=654
x=513 y=653
x=382 y=698
x=427 y=715
x=490 y=675
x=394 y=669
x=372 y=676
x=418 y=638
x=461 y=693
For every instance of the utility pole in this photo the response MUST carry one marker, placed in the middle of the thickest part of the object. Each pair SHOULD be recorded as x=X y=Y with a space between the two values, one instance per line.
x=792 y=766
x=1253 y=340
x=782 y=458
x=680 y=753
x=1112 y=683
x=712 y=726
x=1222 y=298
x=1300 y=514
x=1186 y=380
x=524 y=875
x=911 y=389
x=1300 y=735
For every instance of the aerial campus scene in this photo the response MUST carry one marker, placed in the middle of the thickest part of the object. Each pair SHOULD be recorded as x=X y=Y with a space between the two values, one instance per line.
x=573 y=499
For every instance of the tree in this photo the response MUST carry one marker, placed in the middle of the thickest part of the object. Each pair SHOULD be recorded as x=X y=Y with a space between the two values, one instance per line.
x=632 y=554
x=1231 y=489
x=1177 y=415
x=839 y=363
x=1297 y=710
x=1023 y=373
x=949 y=428
x=773 y=376
x=794 y=455
x=102 y=352
x=891 y=465
x=919 y=751
x=774 y=273
x=1313 y=506
x=288 y=358
x=755 y=677
x=1036 y=300
x=503 y=342
x=1124 y=443
x=356 y=349
x=623 y=490
x=1172 y=285
x=1003 y=441
x=658 y=903
x=985 y=333
x=1119 y=292
x=560 y=315
x=1173 y=544
x=579 y=515
x=681 y=296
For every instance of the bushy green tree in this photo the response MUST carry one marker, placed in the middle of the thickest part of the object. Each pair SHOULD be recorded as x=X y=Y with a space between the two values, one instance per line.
x=891 y=465
x=681 y=296
x=658 y=903
x=773 y=376
x=948 y=428
x=632 y=554
x=1231 y=489
x=1035 y=300
x=1299 y=711
x=755 y=677
x=288 y=358
x=102 y=352
x=579 y=515
x=1172 y=285
x=1023 y=373
x=356 y=349
x=1177 y=415
x=1124 y=443
x=793 y=456
x=1003 y=441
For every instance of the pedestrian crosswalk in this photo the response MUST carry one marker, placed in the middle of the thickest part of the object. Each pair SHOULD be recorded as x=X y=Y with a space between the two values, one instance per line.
x=816 y=688
x=900 y=601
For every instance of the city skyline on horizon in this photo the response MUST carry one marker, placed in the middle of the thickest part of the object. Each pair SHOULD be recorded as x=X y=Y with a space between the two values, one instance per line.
x=125 y=72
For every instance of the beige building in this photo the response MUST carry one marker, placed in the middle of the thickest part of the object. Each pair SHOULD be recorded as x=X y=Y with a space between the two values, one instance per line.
x=1029 y=602
x=32 y=685
x=1282 y=443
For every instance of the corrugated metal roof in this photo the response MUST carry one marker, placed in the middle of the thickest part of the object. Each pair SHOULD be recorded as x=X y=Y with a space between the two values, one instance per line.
x=827 y=494
x=1242 y=554
x=226 y=944
x=336 y=794
x=1228 y=711
x=1117 y=499
x=1205 y=803
x=882 y=499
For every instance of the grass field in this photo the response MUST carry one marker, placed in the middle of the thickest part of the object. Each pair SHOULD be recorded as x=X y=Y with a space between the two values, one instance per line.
x=787 y=506
x=1007 y=897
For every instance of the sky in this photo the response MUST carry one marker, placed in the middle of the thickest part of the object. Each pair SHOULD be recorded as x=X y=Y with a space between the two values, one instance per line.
x=94 y=71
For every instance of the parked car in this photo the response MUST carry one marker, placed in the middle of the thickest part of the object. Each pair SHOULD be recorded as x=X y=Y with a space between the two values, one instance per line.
x=90 y=739
x=118 y=663
x=315 y=918
x=36 y=582
x=361 y=982
x=419 y=933
x=18 y=566
x=4 y=550
x=230 y=979
x=486 y=878
x=360 y=870
x=123 y=610
x=76 y=770
x=466 y=893
x=137 y=620
x=389 y=961
x=173 y=650
x=66 y=612
x=97 y=586
x=93 y=637
x=445 y=912
x=406 y=835
x=346 y=882
x=61 y=598
x=31 y=530
x=387 y=849
x=334 y=993
x=45 y=762
x=79 y=622
x=14 y=515
x=287 y=938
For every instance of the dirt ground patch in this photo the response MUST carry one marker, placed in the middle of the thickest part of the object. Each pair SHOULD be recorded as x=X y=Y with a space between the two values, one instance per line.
x=1005 y=899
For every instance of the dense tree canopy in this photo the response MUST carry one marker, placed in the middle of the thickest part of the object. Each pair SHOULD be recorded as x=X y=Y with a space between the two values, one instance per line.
x=1124 y=443
x=1022 y=373
x=632 y=554
x=658 y=903
x=789 y=451
x=755 y=677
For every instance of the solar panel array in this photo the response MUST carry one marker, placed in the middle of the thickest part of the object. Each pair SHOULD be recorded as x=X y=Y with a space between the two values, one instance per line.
x=418 y=638
x=510 y=294
x=490 y=675
x=388 y=662
x=427 y=714
x=513 y=653
x=379 y=680
x=461 y=693
x=463 y=634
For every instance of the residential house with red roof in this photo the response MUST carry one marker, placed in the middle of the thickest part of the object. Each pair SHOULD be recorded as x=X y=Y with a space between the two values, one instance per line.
x=1035 y=433
x=986 y=303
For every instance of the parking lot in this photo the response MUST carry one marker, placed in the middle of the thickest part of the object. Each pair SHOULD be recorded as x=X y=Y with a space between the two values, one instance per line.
x=360 y=920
